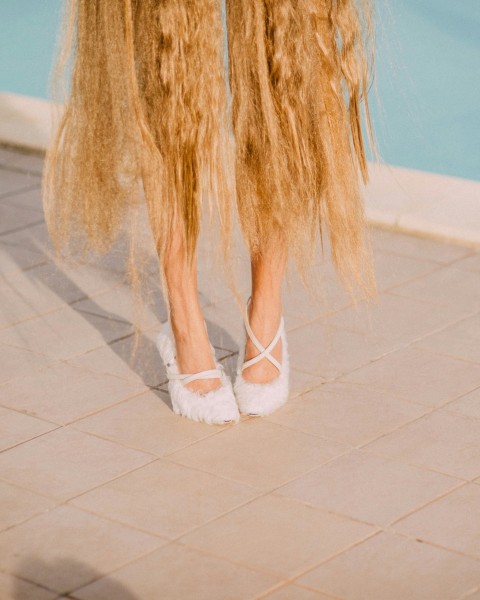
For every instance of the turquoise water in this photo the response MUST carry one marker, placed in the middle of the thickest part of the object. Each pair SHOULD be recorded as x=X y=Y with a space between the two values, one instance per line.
x=428 y=58
x=428 y=63
x=28 y=30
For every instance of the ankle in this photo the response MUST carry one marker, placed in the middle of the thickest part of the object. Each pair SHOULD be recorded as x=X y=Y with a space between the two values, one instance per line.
x=188 y=327
x=265 y=313
x=265 y=303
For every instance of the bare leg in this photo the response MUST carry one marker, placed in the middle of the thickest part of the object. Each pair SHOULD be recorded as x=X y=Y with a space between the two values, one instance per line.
x=191 y=339
x=265 y=311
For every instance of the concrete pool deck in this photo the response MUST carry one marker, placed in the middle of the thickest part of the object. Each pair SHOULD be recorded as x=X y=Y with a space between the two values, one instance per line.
x=365 y=485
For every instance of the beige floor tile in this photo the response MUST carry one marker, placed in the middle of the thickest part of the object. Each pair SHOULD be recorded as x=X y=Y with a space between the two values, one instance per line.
x=225 y=324
x=26 y=161
x=259 y=453
x=393 y=269
x=399 y=319
x=23 y=299
x=469 y=263
x=115 y=359
x=460 y=340
x=146 y=422
x=16 y=428
x=12 y=181
x=13 y=588
x=18 y=362
x=301 y=383
x=17 y=505
x=35 y=238
x=328 y=352
x=166 y=499
x=31 y=199
x=63 y=334
x=452 y=521
x=175 y=572
x=15 y=259
x=368 y=488
x=118 y=358
x=16 y=217
x=419 y=375
x=328 y=295
x=349 y=413
x=447 y=286
x=278 y=535
x=295 y=592
x=118 y=301
x=441 y=441
x=213 y=284
x=468 y=405
x=65 y=462
x=8 y=155
x=393 y=567
x=213 y=281
x=66 y=548
x=64 y=392
x=416 y=246
x=72 y=283
x=109 y=327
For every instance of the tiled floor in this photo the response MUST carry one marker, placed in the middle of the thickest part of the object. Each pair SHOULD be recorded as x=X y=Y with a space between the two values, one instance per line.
x=364 y=486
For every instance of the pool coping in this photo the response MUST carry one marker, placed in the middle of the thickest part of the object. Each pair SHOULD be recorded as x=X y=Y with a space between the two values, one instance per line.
x=441 y=207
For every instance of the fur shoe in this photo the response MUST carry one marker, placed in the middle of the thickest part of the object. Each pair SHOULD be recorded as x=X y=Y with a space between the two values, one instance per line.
x=214 y=407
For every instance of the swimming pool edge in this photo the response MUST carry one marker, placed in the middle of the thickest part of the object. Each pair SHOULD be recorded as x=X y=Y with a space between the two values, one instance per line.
x=418 y=202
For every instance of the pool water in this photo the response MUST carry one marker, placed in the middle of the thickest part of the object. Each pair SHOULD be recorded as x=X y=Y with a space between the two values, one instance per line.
x=28 y=31
x=428 y=58
x=428 y=63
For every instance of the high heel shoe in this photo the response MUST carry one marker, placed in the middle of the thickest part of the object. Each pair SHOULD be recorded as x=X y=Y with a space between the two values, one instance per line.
x=260 y=399
x=217 y=406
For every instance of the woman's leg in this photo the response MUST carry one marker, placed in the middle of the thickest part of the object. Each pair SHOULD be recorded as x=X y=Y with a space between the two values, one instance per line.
x=265 y=310
x=191 y=339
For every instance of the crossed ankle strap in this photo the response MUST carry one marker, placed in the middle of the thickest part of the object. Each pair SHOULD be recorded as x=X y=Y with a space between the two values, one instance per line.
x=264 y=351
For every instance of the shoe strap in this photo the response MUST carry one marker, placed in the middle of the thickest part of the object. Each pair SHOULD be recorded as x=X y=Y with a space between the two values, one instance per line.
x=264 y=351
x=187 y=377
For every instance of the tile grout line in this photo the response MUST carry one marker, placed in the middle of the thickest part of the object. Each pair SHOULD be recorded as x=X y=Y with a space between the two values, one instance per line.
x=33 y=583
x=434 y=545
x=293 y=581
x=171 y=542
x=16 y=445
x=21 y=190
x=127 y=446
x=391 y=525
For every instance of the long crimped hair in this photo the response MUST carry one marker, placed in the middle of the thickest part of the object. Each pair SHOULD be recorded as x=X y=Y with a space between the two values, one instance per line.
x=147 y=123
x=299 y=70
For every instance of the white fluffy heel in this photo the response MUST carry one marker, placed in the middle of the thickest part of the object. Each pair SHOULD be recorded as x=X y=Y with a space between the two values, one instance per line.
x=215 y=407
x=260 y=399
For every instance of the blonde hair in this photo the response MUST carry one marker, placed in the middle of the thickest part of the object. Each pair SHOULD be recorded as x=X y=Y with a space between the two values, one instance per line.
x=147 y=123
x=299 y=70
